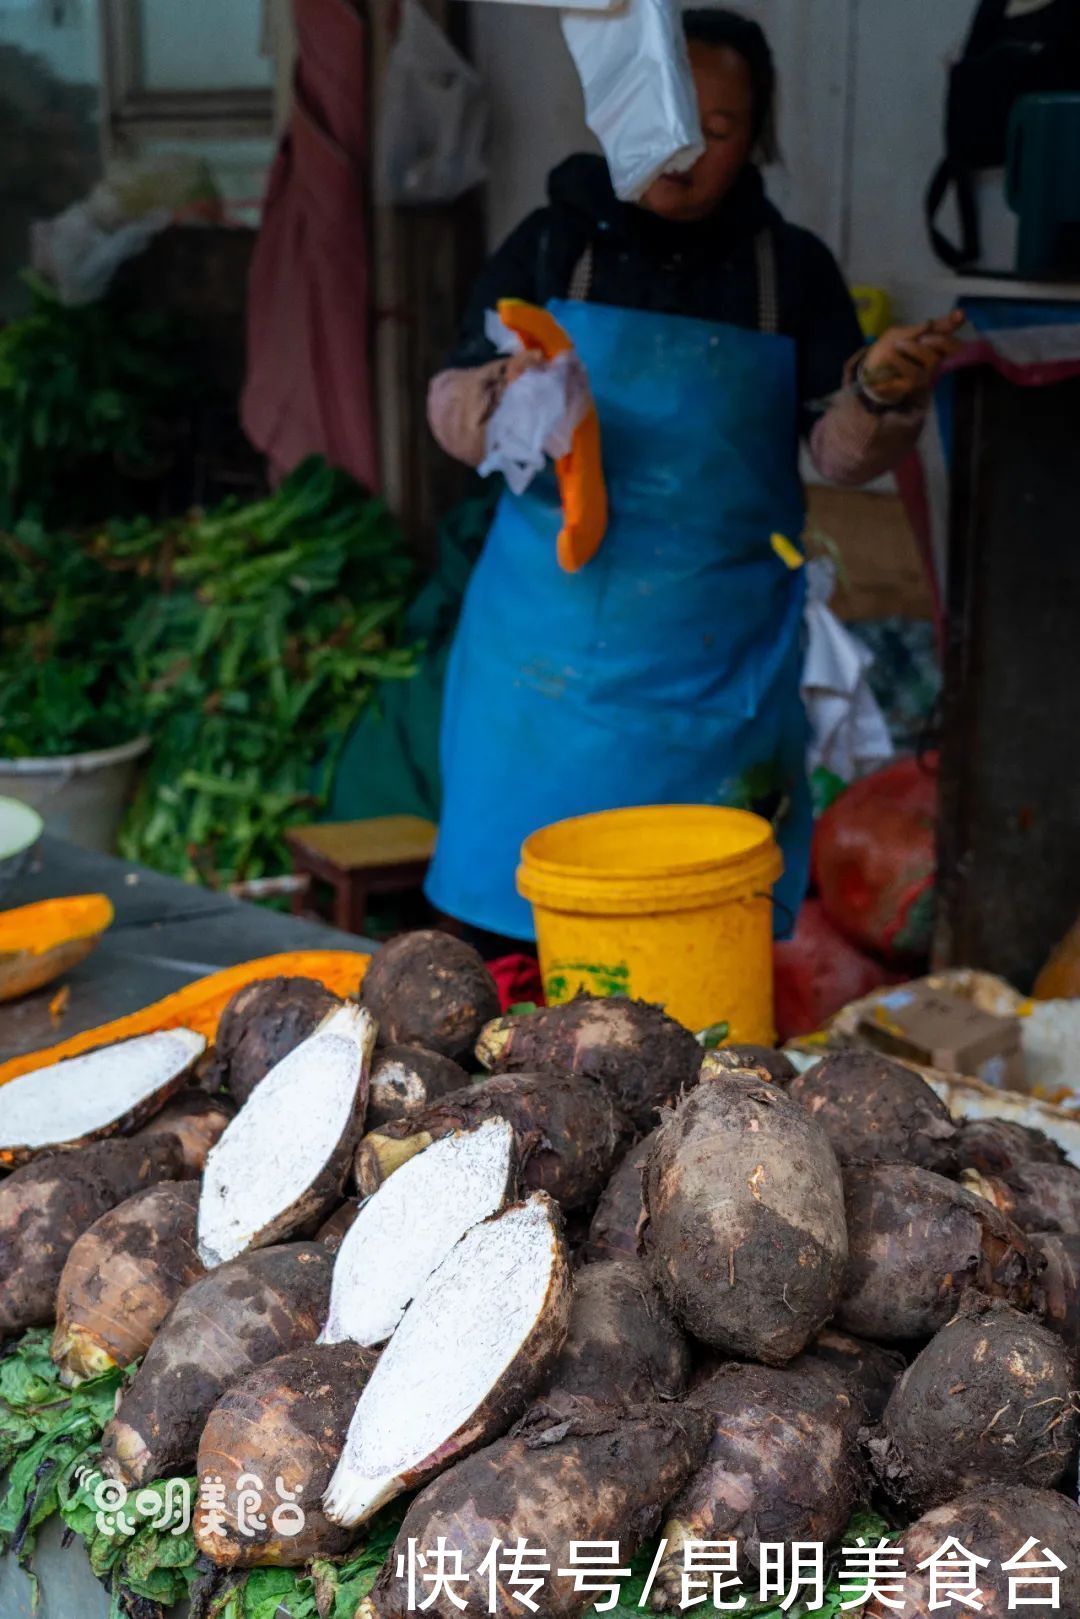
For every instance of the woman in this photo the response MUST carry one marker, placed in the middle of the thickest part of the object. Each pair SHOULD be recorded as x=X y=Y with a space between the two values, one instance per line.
x=668 y=670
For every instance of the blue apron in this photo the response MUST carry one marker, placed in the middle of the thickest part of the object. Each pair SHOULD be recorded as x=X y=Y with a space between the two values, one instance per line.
x=667 y=671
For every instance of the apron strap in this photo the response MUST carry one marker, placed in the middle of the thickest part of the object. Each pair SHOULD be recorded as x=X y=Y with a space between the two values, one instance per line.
x=581 y=277
x=768 y=281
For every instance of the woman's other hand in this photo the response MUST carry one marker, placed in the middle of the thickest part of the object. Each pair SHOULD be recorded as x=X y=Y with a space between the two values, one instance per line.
x=903 y=365
x=461 y=403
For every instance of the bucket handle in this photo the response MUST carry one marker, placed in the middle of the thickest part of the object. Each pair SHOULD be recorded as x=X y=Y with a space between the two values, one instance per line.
x=785 y=910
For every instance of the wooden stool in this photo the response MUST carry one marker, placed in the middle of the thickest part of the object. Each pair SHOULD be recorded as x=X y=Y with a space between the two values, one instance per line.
x=357 y=859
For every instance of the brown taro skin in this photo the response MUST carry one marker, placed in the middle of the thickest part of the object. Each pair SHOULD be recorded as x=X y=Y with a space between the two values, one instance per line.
x=197 y=1120
x=241 y=1315
x=407 y=1079
x=47 y=1205
x=123 y=1276
x=594 y=1475
x=614 y=1231
x=285 y=1421
x=1060 y=1285
x=746 y=1227
x=333 y=1230
x=262 y=1023
x=918 y=1244
x=568 y=1131
x=995 y=1146
x=875 y=1110
x=623 y=1347
x=638 y=1053
x=430 y=989
x=993 y=1523
x=738 y=1059
x=782 y=1466
x=870 y=1370
x=1037 y=1197
x=991 y=1400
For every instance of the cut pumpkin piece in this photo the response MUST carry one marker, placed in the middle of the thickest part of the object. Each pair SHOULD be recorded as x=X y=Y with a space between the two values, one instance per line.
x=282 y=1163
x=410 y=1225
x=581 y=472
x=478 y=1338
x=102 y=1093
x=39 y=942
x=199 y=1005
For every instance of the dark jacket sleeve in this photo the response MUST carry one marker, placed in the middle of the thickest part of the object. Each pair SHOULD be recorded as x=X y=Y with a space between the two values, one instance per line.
x=512 y=272
x=826 y=325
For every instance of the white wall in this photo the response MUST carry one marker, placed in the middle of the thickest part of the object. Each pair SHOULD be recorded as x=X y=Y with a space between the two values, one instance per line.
x=861 y=114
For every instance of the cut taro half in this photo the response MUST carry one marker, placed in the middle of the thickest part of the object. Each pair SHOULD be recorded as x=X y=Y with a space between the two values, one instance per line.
x=405 y=1231
x=474 y=1344
x=281 y=1164
x=101 y=1093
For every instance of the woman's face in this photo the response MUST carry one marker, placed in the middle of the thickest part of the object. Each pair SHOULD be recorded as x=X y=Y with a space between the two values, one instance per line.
x=725 y=94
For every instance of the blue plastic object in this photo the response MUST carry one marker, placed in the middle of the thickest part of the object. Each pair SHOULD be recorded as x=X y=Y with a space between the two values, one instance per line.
x=1043 y=184
x=667 y=670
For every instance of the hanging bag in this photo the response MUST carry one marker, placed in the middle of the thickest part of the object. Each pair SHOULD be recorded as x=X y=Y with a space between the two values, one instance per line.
x=1015 y=48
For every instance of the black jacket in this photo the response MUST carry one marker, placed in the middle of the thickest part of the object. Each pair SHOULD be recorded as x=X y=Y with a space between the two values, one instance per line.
x=707 y=270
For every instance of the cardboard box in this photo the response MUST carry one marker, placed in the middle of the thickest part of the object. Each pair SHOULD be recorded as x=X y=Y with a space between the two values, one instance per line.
x=939 y=1030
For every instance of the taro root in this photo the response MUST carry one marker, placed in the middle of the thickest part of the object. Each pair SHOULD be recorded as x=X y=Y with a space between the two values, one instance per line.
x=262 y=1023
x=569 y=1133
x=746 y=1219
x=740 y=1059
x=403 y=1233
x=430 y=989
x=996 y=1146
x=875 y=1110
x=623 y=1347
x=994 y=1524
x=122 y=1278
x=47 y=1205
x=869 y=1369
x=593 y=1475
x=1060 y=1285
x=407 y=1079
x=282 y=1164
x=989 y=1401
x=918 y=1244
x=638 y=1053
x=196 y=1120
x=285 y=1423
x=615 y=1228
x=1036 y=1197
x=333 y=1229
x=782 y=1466
x=105 y=1092
x=478 y=1338
x=240 y=1316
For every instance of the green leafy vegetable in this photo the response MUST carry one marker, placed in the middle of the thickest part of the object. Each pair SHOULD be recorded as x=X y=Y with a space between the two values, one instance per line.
x=46 y=1433
x=244 y=642
x=84 y=394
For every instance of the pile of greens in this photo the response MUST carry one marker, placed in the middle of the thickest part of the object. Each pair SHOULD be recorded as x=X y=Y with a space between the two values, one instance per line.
x=48 y=1445
x=84 y=394
x=243 y=642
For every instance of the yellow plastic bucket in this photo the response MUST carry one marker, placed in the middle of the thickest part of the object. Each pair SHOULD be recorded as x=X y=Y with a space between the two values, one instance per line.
x=671 y=904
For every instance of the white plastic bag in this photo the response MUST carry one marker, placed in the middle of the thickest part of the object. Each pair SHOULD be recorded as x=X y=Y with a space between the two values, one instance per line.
x=848 y=733
x=640 y=101
x=80 y=257
x=536 y=416
x=433 y=125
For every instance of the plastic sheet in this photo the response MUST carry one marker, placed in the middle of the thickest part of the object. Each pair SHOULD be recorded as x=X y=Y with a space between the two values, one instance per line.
x=433 y=126
x=537 y=415
x=639 y=95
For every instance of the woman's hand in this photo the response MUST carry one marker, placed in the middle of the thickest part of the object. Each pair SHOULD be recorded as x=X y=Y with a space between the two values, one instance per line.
x=904 y=364
x=461 y=403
